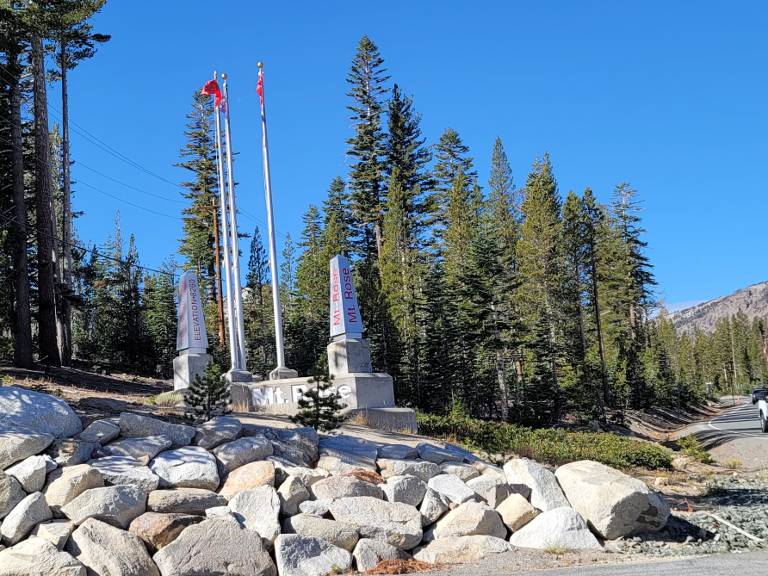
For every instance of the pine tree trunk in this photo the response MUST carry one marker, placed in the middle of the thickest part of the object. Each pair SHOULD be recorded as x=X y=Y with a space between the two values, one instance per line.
x=65 y=311
x=599 y=329
x=22 y=353
x=48 y=324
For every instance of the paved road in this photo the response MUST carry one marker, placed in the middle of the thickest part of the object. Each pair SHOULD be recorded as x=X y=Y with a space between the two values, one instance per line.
x=747 y=564
x=741 y=421
x=734 y=437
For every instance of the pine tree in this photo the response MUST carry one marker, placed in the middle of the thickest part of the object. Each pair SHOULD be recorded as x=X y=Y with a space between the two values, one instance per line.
x=259 y=329
x=337 y=220
x=199 y=158
x=160 y=316
x=540 y=258
x=208 y=396
x=367 y=147
x=319 y=405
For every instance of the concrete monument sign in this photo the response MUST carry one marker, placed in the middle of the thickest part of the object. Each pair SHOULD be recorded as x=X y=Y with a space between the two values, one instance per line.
x=191 y=336
x=345 y=313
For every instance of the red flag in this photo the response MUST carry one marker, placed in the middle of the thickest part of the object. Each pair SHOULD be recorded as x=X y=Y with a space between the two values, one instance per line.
x=211 y=88
x=260 y=86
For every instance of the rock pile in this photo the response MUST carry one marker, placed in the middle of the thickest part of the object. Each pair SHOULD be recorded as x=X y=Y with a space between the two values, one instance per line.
x=155 y=498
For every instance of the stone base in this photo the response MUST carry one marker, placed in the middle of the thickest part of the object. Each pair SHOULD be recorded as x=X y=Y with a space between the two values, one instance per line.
x=283 y=373
x=186 y=367
x=357 y=391
x=240 y=398
x=402 y=420
x=349 y=356
x=234 y=375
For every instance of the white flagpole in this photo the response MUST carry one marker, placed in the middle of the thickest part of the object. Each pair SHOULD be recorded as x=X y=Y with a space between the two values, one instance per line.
x=225 y=240
x=236 y=288
x=271 y=232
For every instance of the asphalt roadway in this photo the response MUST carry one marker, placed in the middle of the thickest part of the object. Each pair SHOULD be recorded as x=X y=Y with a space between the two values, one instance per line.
x=740 y=421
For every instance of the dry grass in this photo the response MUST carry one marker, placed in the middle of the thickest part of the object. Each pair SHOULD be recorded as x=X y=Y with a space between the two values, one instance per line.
x=359 y=418
x=401 y=567
x=365 y=475
x=240 y=406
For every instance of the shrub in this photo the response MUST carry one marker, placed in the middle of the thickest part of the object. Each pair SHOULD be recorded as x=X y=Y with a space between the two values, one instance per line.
x=207 y=396
x=319 y=406
x=500 y=440
x=690 y=446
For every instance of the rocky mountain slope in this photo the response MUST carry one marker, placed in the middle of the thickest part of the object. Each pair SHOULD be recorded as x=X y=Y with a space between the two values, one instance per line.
x=752 y=300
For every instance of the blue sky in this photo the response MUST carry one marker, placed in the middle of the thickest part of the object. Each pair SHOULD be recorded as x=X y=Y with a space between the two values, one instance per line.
x=669 y=96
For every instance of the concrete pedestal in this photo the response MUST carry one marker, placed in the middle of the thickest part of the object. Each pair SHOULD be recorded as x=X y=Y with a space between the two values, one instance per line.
x=283 y=373
x=234 y=375
x=349 y=356
x=187 y=366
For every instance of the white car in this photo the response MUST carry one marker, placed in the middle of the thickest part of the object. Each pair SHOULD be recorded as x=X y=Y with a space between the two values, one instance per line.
x=762 y=406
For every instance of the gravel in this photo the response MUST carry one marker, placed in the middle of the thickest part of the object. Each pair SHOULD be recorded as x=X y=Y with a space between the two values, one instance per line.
x=740 y=501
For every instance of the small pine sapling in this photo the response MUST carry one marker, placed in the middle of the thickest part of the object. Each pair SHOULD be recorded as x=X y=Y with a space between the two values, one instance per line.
x=319 y=406
x=208 y=396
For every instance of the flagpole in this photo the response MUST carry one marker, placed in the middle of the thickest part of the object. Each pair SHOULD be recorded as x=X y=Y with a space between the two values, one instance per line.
x=225 y=240
x=281 y=370
x=237 y=296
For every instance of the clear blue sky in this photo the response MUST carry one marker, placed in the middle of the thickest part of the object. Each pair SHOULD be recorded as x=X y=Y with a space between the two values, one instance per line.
x=669 y=96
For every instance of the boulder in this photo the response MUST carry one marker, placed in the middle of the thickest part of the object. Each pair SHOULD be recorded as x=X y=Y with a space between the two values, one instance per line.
x=104 y=549
x=221 y=513
x=464 y=471
x=66 y=484
x=406 y=489
x=292 y=493
x=239 y=452
x=37 y=411
x=24 y=517
x=18 y=443
x=215 y=547
x=11 y=493
x=56 y=532
x=457 y=549
x=422 y=470
x=545 y=491
x=140 y=449
x=344 y=486
x=562 y=528
x=251 y=475
x=432 y=453
x=297 y=445
x=395 y=523
x=158 y=530
x=471 y=519
x=337 y=533
x=308 y=476
x=184 y=500
x=258 y=509
x=217 y=431
x=433 y=506
x=490 y=488
x=100 y=432
x=397 y=452
x=516 y=512
x=135 y=425
x=303 y=556
x=188 y=467
x=452 y=488
x=116 y=505
x=368 y=553
x=38 y=557
x=123 y=471
x=340 y=454
x=315 y=507
x=30 y=472
x=613 y=503
x=491 y=471
x=71 y=451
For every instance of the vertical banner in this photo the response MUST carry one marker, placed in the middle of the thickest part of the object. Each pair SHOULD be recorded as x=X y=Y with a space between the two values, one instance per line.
x=345 y=313
x=190 y=334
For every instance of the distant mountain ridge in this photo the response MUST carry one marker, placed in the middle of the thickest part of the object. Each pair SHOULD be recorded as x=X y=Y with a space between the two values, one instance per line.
x=752 y=300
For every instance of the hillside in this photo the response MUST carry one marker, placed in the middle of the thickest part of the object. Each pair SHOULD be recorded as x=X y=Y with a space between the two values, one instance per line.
x=752 y=300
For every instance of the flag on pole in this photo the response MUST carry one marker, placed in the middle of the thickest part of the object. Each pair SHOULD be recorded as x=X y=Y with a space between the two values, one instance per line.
x=260 y=87
x=211 y=88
